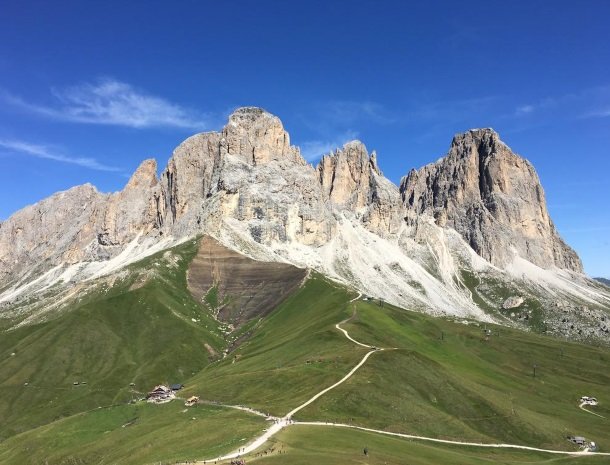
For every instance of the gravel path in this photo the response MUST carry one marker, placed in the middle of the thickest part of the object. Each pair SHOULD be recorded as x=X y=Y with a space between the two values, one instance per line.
x=447 y=441
x=582 y=407
x=286 y=420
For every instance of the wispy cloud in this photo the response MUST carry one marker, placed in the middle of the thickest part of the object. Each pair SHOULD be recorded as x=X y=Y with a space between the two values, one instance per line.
x=600 y=113
x=331 y=124
x=42 y=151
x=593 y=102
x=313 y=150
x=113 y=102
x=524 y=110
x=329 y=117
x=349 y=112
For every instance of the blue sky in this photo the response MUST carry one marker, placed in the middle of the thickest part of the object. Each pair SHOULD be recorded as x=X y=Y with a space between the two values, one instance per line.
x=89 y=89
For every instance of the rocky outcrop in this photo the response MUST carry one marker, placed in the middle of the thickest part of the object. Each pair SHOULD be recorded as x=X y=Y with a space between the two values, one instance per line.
x=247 y=186
x=351 y=180
x=191 y=175
x=248 y=172
x=513 y=302
x=493 y=198
x=59 y=229
x=137 y=209
x=258 y=137
x=347 y=176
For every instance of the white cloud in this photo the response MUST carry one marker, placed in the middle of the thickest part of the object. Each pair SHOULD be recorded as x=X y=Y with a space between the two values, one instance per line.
x=333 y=122
x=592 y=102
x=602 y=113
x=41 y=151
x=313 y=150
x=113 y=102
x=328 y=117
x=524 y=110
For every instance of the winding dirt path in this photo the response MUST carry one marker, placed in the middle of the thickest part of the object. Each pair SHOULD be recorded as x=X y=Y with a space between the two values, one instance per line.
x=242 y=408
x=286 y=420
x=582 y=407
x=447 y=441
x=341 y=381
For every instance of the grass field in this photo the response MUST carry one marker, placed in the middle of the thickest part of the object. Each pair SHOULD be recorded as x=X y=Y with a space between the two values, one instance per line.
x=445 y=379
x=292 y=353
x=127 y=434
x=127 y=334
x=307 y=445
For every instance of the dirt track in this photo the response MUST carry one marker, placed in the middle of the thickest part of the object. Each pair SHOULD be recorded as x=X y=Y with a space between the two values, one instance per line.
x=286 y=420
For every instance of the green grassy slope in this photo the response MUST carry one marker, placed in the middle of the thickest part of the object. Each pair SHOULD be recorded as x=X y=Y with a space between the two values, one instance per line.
x=465 y=387
x=321 y=445
x=444 y=380
x=291 y=354
x=128 y=434
x=140 y=334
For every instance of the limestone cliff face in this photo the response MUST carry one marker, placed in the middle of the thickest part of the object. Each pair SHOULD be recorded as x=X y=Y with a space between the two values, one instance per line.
x=58 y=229
x=347 y=174
x=248 y=179
x=191 y=174
x=216 y=164
x=258 y=137
x=137 y=209
x=248 y=172
x=493 y=198
x=351 y=180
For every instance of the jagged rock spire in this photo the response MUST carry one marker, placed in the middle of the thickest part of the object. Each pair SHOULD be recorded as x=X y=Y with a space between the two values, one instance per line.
x=258 y=137
x=249 y=176
x=493 y=198
x=350 y=179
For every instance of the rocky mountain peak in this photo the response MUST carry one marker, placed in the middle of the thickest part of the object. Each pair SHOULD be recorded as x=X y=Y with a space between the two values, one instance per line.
x=476 y=136
x=485 y=142
x=493 y=198
x=247 y=186
x=145 y=175
x=373 y=162
x=58 y=228
x=345 y=175
x=352 y=180
x=257 y=137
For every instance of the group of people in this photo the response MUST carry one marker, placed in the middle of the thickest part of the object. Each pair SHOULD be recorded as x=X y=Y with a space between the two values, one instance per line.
x=271 y=450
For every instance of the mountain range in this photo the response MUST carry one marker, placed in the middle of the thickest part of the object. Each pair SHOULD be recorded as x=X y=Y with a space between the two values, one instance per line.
x=468 y=236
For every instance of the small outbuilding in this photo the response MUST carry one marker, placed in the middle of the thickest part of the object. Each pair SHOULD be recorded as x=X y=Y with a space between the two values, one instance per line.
x=578 y=440
x=588 y=400
x=193 y=400
x=160 y=394
x=176 y=387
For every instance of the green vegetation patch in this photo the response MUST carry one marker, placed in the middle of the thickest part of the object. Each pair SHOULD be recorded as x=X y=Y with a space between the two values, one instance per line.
x=112 y=348
x=134 y=434
x=290 y=355
x=323 y=445
x=460 y=382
